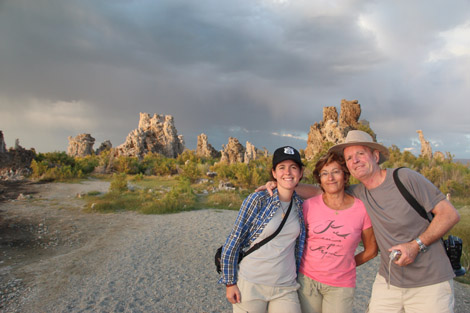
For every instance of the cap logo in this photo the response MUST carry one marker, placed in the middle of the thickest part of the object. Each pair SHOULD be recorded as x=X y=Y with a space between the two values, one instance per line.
x=288 y=150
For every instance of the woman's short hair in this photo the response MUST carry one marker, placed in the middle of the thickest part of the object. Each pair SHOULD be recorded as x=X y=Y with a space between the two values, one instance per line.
x=331 y=157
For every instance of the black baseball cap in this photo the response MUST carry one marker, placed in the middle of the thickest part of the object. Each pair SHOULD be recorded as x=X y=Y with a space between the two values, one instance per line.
x=286 y=153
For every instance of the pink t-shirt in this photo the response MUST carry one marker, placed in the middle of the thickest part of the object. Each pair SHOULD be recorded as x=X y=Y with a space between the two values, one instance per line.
x=332 y=239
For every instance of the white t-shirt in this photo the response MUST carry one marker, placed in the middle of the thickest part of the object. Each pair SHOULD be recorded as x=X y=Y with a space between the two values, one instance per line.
x=274 y=263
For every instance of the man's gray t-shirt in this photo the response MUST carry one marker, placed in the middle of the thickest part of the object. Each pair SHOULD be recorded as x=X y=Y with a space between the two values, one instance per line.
x=395 y=221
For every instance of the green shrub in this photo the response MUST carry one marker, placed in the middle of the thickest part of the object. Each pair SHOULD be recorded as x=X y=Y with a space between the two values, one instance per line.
x=54 y=166
x=118 y=183
x=58 y=158
x=226 y=200
x=180 y=198
x=244 y=175
x=126 y=164
x=190 y=171
x=223 y=170
x=39 y=168
x=87 y=164
x=113 y=203
x=138 y=177
x=157 y=164
x=93 y=193
x=188 y=155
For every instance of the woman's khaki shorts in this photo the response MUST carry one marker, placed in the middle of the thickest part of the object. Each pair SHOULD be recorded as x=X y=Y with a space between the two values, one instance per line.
x=260 y=298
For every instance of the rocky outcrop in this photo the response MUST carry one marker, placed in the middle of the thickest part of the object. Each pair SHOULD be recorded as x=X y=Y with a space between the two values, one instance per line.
x=204 y=148
x=426 y=151
x=3 y=146
x=105 y=145
x=155 y=134
x=233 y=152
x=81 y=145
x=15 y=163
x=350 y=113
x=252 y=153
x=333 y=129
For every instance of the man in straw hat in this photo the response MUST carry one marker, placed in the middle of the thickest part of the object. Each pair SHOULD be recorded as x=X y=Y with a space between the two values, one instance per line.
x=420 y=278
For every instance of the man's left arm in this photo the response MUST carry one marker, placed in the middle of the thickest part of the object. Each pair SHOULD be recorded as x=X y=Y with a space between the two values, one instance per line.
x=445 y=217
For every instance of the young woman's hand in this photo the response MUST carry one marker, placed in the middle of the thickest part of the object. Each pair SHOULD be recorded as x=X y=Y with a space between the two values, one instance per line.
x=233 y=294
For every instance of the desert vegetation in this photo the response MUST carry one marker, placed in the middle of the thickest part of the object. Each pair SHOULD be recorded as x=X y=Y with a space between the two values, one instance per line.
x=159 y=185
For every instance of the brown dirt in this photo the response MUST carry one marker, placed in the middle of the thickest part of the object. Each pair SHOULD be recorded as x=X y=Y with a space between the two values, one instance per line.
x=39 y=221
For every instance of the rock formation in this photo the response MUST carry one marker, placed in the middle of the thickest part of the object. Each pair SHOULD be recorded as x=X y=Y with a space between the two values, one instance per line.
x=3 y=146
x=155 y=134
x=233 y=152
x=81 y=145
x=350 y=113
x=251 y=153
x=105 y=145
x=205 y=149
x=426 y=151
x=15 y=163
x=331 y=129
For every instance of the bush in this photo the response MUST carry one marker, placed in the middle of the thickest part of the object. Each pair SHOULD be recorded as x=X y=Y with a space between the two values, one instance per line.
x=244 y=175
x=87 y=164
x=126 y=164
x=188 y=155
x=39 y=168
x=157 y=164
x=55 y=159
x=190 y=171
x=119 y=183
x=180 y=198
x=55 y=166
x=226 y=200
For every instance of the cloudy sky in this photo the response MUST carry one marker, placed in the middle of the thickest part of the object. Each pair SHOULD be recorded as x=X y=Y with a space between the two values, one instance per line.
x=258 y=70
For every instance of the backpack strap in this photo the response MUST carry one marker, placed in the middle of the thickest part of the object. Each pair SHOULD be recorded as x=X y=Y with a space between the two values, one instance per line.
x=278 y=230
x=407 y=195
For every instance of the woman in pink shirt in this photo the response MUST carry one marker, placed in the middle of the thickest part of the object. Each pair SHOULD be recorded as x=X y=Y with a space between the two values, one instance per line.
x=336 y=222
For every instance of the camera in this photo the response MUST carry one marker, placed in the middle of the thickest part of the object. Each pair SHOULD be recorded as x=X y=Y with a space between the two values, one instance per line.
x=395 y=255
x=453 y=245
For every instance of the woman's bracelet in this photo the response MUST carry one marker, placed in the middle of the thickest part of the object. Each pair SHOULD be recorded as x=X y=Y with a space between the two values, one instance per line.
x=230 y=285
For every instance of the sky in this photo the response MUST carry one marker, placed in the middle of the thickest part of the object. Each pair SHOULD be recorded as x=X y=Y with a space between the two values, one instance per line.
x=257 y=70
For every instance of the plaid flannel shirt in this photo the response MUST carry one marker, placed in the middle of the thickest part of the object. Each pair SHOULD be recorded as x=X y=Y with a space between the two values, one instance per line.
x=255 y=213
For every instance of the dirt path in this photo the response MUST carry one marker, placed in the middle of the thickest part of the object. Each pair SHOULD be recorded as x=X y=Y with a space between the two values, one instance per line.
x=55 y=258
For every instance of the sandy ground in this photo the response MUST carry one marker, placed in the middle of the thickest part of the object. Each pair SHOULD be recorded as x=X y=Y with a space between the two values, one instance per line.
x=56 y=258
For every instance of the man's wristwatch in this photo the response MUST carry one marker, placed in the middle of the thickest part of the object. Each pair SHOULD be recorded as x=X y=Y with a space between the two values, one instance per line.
x=422 y=246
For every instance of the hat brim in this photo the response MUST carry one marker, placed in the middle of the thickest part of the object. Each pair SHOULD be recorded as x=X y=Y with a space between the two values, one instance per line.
x=383 y=151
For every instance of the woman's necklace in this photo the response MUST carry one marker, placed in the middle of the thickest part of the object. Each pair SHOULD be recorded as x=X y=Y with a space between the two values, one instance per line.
x=283 y=208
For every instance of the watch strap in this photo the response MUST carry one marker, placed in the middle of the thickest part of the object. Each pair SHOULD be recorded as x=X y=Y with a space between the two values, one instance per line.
x=422 y=246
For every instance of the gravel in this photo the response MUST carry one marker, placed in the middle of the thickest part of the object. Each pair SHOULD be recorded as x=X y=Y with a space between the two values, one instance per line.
x=138 y=263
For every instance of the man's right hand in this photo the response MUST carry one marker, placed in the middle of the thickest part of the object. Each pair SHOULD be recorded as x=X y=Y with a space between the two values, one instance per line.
x=270 y=186
x=233 y=294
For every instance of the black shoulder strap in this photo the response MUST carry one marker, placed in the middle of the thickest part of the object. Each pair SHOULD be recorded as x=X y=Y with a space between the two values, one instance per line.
x=406 y=194
x=278 y=230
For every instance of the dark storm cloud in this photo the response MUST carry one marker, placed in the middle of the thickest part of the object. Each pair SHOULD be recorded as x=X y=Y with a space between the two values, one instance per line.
x=245 y=69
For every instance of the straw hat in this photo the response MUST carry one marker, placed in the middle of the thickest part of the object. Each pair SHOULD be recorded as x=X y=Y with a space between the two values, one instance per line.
x=361 y=138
